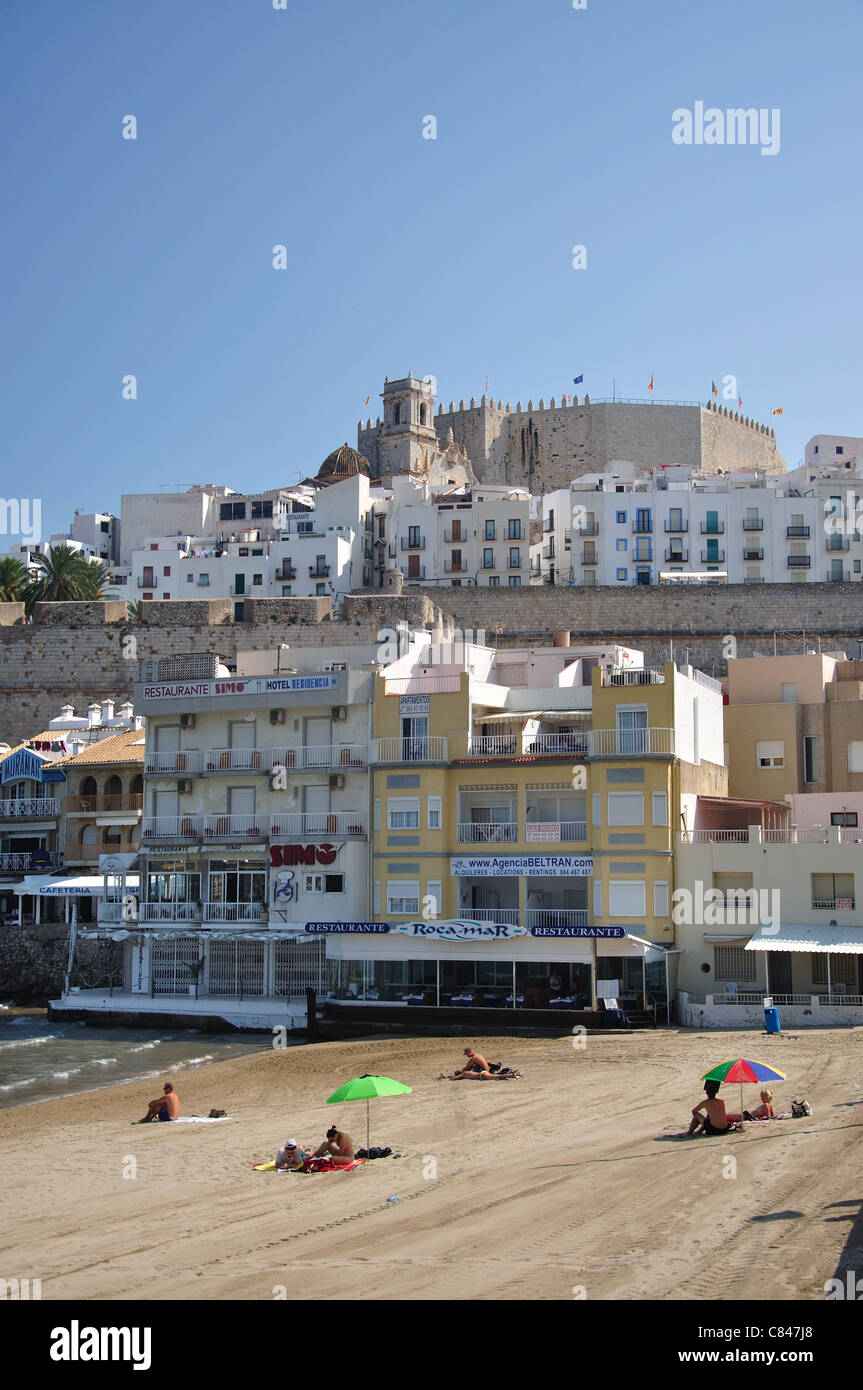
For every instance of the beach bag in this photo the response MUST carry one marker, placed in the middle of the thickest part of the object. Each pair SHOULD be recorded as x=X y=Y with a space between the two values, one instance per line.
x=218 y=1115
x=799 y=1108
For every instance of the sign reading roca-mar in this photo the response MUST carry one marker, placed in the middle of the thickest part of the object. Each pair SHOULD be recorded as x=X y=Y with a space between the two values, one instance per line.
x=252 y=685
x=517 y=865
x=286 y=855
x=461 y=929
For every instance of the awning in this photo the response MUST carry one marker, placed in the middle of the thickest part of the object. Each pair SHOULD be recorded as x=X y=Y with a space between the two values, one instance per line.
x=81 y=885
x=563 y=715
x=837 y=941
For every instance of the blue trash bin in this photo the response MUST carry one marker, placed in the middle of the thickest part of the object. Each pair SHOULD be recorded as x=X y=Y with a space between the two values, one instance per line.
x=771 y=1020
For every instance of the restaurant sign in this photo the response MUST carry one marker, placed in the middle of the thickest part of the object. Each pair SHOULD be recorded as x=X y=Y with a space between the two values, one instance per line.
x=255 y=685
x=461 y=930
x=23 y=763
x=346 y=928
x=519 y=865
x=302 y=854
x=601 y=932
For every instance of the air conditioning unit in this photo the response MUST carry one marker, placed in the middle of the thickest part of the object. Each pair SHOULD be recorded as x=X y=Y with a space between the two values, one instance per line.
x=184 y=787
x=277 y=716
x=340 y=712
x=187 y=721
x=337 y=779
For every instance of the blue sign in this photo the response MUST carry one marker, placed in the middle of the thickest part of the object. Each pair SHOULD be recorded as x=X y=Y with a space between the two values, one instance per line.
x=578 y=931
x=53 y=774
x=320 y=928
x=23 y=763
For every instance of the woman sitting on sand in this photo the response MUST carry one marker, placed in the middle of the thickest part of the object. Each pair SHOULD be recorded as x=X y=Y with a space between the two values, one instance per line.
x=764 y=1111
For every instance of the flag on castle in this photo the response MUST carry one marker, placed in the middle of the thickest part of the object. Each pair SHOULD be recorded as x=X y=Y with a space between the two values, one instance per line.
x=367 y=399
x=650 y=387
x=778 y=410
x=714 y=388
x=577 y=380
x=739 y=402
x=486 y=386
x=564 y=398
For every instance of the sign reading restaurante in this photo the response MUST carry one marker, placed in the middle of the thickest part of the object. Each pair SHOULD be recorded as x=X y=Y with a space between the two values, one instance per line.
x=255 y=685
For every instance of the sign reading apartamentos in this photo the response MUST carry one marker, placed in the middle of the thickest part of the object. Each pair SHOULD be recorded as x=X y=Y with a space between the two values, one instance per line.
x=255 y=685
x=515 y=865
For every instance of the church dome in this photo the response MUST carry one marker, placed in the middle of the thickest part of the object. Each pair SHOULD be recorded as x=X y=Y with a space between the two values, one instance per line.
x=344 y=462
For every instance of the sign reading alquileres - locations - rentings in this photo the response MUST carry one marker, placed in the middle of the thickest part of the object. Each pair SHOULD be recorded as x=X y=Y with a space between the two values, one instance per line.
x=517 y=865
x=254 y=685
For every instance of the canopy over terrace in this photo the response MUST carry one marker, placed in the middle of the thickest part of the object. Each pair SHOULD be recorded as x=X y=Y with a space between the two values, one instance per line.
x=811 y=938
x=66 y=886
x=736 y=813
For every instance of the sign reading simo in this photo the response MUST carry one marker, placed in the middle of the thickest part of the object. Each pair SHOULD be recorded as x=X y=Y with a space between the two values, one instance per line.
x=285 y=855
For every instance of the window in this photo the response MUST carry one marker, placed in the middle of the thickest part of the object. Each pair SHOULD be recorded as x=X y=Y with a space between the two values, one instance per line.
x=597 y=897
x=204 y=581
x=675 y=519
x=433 y=891
x=621 y=543
x=456 y=531
x=597 y=809
x=621 y=575
x=843 y=818
x=810 y=760
x=621 y=518
x=324 y=883
x=832 y=890
x=855 y=757
x=403 y=897
x=660 y=899
x=376 y=898
x=839 y=449
x=261 y=509
x=403 y=813
x=287 y=591
x=626 y=898
x=843 y=972
x=190 y=578
x=514 y=528
x=734 y=964
x=377 y=813
x=232 y=511
x=514 y=557
x=515 y=581
x=660 y=808
x=257 y=579
x=489 y=531
x=626 y=808
x=488 y=559
x=494 y=581
x=166 y=571
x=455 y=560
x=789 y=693
x=770 y=753
x=434 y=813
x=413 y=535
x=166 y=595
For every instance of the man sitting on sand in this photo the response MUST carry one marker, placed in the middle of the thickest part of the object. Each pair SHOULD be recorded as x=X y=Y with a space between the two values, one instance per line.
x=715 y=1121
x=290 y=1155
x=166 y=1107
x=338 y=1146
x=475 y=1063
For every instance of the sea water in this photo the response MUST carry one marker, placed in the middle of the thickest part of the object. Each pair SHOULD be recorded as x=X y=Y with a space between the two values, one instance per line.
x=40 y=1059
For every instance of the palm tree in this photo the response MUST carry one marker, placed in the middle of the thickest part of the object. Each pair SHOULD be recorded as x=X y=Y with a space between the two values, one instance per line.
x=13 y=579
x=64 y=576
x=134 y=610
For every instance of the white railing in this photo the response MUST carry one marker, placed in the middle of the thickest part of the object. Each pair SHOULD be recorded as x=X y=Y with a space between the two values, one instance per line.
x=179 y=763
x=508 y=915
x=629 y=743
x=351 y=824
x=21 y=862
x=569 y=745
x=553 y=831
x=634 y=675
x=493 y=746
x=245 y=827
x=709 y=682
x=171 y=828
x=717 y=837
x=233 y=912
x=812 y=835
x=557 y=917
x=29 y=806
x=169 y=912
x=842 y=904
x=424 y=685
x=411 y=750
x=484 y=832
x=319 y=755
x=236 y=760
x=782 y=836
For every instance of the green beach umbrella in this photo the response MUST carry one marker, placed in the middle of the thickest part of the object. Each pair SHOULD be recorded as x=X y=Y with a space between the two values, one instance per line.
x=365 y=1088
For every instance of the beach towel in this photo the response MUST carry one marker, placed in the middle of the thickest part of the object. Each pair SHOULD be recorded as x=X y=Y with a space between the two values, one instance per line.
x=768 y=1120
x=199 y=1120
x=326 y=1165
x=265 y=1167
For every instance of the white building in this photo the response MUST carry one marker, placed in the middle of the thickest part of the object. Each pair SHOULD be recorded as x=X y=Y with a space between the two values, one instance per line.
x=459 y=534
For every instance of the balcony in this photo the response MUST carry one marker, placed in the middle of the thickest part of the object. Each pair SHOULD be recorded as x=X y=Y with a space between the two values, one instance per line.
x=173 y=764
x=410 y=750
x=234 y=912
x=557 y=917
x=171 y=828
x=753 y=523
x=833 y=904
x=169 y=912
x=630 y=743
x=634 y=675
x=21 y=861
x=555 y=832
x=507 y=915
x=319 y=571
x=487 y=833
x=89 y=854
x=548 y=551
x=754 y=579
x=590 y=528
x=838 y=543
x=554 y=745
x=286 y=572
x=680 y=556
x=588 y=557
x=753 y=554
x=454 y=538
x=494 y=746
x=799 y=562
x=676 y=527
x=797 y=532
x=715 y=557
x=418 y=573
x=418 y=544
x=145 y=584
x=91 y=804
x=216 y=760
x=843 y=578
x=332 y=757
x=455 y=568
x=249 y=826
x=26 y=807
x=713 y=528
x=351 y=824
x=642 y=527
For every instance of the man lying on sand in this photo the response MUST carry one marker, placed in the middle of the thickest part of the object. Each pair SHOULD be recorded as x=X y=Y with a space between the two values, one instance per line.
x=475 y=1063
x=166 y=1107
x=715 y=1121
x=338 y=1146
x=290 y=1155
x=508 y=1075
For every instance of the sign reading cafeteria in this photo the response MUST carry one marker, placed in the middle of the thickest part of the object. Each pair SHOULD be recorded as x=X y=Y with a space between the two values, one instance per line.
x=461 y=930
x=518 y=865
x=254 y=685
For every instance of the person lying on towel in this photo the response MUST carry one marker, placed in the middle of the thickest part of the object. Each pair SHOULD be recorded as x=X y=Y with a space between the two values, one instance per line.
x=338 y=1146
x=166 y=1107
x=290 y=1155
x=715 y=1120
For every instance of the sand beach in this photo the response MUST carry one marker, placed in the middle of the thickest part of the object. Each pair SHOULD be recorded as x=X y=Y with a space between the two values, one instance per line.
x=526 y=1190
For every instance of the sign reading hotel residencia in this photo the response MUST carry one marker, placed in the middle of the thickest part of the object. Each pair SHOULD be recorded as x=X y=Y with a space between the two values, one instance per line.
x=253 y=685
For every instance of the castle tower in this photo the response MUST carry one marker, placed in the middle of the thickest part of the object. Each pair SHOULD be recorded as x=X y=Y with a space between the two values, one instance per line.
x=407 y=438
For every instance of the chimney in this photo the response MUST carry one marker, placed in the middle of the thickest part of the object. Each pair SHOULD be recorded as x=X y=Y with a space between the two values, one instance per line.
x=561 y=637
x=107 y=710
x=126 y=711
x=93 y=713
x=67 y=711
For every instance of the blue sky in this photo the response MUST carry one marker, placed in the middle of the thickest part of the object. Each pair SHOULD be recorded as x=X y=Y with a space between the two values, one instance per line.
x=452 y=256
